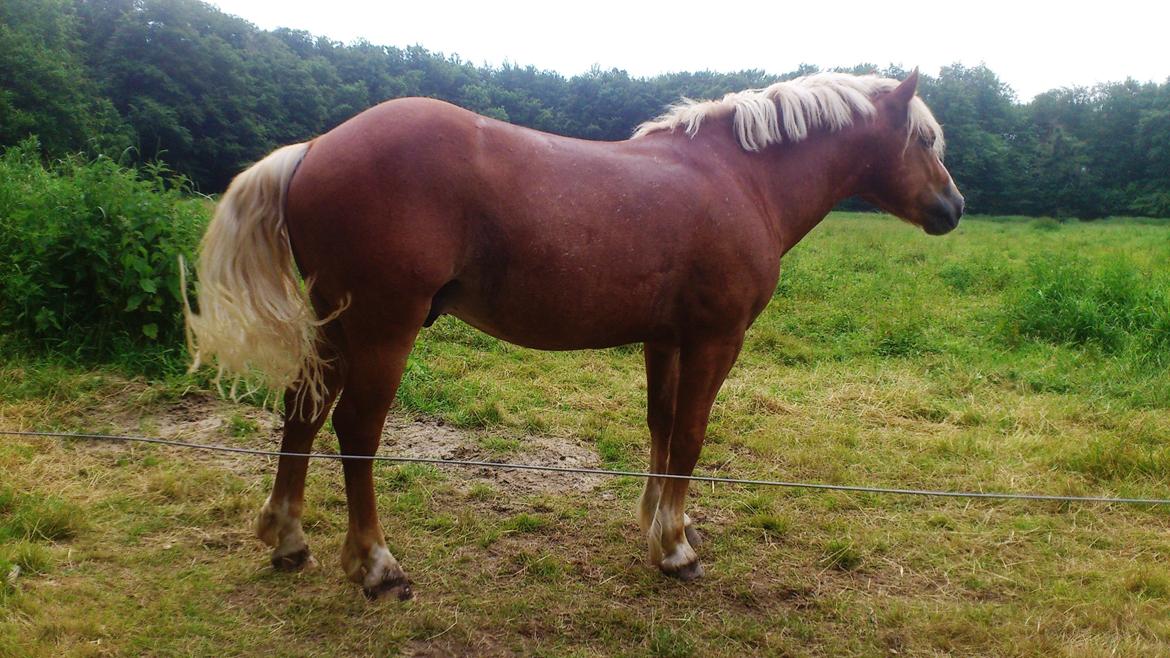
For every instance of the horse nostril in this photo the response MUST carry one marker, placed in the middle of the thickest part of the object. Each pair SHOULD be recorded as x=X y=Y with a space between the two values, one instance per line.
x=943 y=215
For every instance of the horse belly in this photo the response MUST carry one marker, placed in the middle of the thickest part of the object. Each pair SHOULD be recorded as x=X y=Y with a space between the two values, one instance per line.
x=552 y=314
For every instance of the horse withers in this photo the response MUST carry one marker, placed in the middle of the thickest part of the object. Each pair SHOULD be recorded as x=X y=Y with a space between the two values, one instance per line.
x=417 y=208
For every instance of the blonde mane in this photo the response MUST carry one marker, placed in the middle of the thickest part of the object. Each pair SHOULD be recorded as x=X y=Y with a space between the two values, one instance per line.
x=787 y=111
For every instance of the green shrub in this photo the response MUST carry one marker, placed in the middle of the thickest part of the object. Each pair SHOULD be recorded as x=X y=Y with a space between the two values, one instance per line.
x=903 y=334
x=978 y=274
x=1117 y=458
x=30 y=557
x=89 y=253
x=669 y=643
x=1153 y=346
x=524 y=522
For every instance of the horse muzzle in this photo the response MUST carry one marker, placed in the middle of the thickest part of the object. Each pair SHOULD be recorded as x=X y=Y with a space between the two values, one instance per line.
x=943 y=215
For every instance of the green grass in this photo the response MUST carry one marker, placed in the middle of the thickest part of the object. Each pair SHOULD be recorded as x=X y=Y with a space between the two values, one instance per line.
x=1012 y=355
x=30 y=517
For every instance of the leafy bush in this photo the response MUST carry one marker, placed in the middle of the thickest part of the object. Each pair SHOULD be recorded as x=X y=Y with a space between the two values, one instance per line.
x=976 y=274
x=89 y=253
x=1117 y=458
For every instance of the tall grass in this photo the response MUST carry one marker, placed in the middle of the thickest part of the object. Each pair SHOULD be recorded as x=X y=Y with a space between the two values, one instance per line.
x=1105 y=303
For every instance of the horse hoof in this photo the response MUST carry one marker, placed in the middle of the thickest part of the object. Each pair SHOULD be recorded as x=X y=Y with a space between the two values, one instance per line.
x=398 y=586
x=694 y=538
x=295 y=561
x=687 y=572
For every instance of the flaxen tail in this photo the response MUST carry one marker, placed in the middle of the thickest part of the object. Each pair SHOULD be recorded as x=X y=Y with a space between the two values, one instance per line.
x=254 y=315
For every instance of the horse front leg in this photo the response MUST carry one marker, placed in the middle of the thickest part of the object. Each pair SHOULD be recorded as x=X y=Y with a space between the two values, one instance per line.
x=661 y=392
x=279 y=522
x=661 y=388
x=702 y=368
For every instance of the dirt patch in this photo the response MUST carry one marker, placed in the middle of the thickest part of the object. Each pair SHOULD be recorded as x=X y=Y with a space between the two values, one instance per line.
x=203 y=418
x=434 y=440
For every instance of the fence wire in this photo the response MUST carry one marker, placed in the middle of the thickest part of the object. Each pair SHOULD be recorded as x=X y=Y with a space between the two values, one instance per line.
x=592 y=471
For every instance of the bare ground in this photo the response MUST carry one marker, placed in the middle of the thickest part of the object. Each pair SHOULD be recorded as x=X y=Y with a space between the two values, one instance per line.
x=202 y=418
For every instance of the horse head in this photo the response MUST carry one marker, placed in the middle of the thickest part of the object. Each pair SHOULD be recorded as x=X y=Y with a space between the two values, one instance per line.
x=906 y=176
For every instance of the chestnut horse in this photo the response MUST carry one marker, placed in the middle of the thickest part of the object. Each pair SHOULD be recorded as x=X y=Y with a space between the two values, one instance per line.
x=417 y=208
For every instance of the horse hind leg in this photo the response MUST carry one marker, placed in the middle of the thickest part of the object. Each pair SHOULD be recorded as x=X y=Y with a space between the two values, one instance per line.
x=278 y=523
x=370 y=386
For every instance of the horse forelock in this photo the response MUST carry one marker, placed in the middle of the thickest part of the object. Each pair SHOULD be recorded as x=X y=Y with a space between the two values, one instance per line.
x=787 y=111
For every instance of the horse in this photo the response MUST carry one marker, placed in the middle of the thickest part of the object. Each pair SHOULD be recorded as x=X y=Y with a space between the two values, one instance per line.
x=325 y=260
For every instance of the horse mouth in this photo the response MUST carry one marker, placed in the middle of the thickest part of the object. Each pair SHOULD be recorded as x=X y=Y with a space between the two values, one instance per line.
x=943 y=217
x=940 y=225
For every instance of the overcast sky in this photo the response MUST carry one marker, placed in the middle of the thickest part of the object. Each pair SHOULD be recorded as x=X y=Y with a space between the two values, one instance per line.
x=1032 y=46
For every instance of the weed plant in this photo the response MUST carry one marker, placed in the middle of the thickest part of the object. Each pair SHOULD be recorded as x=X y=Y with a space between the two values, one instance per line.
x=89 y=257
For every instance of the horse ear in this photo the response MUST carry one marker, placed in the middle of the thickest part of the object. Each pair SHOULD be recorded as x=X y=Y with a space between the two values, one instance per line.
x=899 y=99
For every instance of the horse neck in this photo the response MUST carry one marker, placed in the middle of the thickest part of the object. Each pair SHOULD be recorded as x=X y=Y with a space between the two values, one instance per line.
x=799 y=183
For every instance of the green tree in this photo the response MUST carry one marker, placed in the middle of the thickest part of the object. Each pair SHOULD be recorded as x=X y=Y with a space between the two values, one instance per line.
x=44 y=89
x=208 y=92
x=1152 y=190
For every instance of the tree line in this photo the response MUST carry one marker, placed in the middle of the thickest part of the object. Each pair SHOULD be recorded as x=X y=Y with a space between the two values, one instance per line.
x=181 y=82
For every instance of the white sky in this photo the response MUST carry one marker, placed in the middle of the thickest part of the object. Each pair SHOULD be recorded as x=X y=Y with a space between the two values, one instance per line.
x=1032 y=46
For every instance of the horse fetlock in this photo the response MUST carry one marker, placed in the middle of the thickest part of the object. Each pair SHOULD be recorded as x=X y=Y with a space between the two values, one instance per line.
x=268 y=524
x=377 y=571
x=672 y=549
x=276 y=527
x=654 y=541
x=682 y=563
x=279 y=528
x=384 y=577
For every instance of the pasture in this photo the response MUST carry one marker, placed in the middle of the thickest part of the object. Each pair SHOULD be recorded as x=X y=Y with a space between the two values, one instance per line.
x=1014 y=354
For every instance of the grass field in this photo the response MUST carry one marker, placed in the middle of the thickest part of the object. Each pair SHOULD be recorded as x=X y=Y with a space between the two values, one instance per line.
x=1014 y=354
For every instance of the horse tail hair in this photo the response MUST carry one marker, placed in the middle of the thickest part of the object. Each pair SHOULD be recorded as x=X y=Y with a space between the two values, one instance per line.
x=255 y=317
